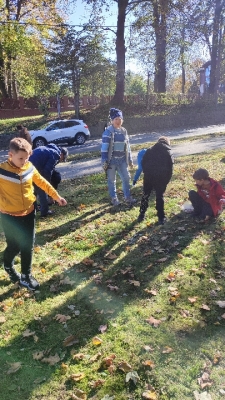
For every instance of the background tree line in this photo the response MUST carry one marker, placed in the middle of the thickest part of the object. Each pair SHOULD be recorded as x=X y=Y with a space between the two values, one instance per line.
x=40 y=55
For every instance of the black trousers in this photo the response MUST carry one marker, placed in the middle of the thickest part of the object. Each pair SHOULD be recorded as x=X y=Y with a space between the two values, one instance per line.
x=201 y=207
x=20 y=234
x=160 y=188
x=55 y=179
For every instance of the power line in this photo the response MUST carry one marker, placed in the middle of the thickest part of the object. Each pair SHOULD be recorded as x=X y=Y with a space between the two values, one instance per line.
x=58 y=25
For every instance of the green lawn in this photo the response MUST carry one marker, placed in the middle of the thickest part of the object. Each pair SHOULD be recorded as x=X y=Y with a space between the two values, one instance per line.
x=125 y=310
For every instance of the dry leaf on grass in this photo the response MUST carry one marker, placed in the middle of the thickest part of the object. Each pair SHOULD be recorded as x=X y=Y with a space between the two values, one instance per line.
x=192 y=299
x=154 y=322
x=149 y=395
x=205 y=307
x=205 y=381
x=51 y=360
x=124 y=366
x=95 y=357
x=132 y=376
x=113 y=288
x=66 y=281
x=152 y=292
x=88 y=261
x=135 y=283
x=148 y=363
x=78 y=395
x=28 y=333
x=77 y=377
x=221 y=304
x=70 y=340
x=2 y=319
x=110 y=256
x=102 y=328
x=167 y=350
x=14 y=368
x=62 y=318
x=95 y=384
x=96 y=341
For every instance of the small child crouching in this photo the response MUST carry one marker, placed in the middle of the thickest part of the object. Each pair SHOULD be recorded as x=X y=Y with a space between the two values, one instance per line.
x=209 y=198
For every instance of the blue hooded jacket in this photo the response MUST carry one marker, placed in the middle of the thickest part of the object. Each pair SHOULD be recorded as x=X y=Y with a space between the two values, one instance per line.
x=45 y=158
x=139 y=161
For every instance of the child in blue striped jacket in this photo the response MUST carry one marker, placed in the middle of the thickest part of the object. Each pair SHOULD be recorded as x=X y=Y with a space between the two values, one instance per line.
x=116 y=157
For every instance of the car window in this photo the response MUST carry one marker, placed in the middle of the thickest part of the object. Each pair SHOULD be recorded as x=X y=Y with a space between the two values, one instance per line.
x=68 y=124
x=56 y=125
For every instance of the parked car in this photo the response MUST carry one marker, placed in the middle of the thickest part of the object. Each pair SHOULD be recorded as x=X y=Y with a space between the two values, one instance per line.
x=61 y=131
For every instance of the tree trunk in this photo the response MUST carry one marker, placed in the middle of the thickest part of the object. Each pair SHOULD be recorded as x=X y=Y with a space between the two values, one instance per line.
x=120 y=53
x=215 y=47
x=3 y=88
x=159 y=23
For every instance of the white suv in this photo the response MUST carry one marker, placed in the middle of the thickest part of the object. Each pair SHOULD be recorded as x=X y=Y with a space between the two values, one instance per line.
x=61 y=131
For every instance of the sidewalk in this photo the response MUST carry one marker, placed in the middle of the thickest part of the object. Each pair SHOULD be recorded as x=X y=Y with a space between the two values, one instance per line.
x=77 y=169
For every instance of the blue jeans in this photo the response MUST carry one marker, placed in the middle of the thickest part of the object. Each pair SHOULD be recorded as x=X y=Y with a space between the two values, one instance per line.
x=43 y=199
x=123 y=172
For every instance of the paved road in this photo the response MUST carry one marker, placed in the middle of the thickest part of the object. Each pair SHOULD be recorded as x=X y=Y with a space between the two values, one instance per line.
x=74 y=169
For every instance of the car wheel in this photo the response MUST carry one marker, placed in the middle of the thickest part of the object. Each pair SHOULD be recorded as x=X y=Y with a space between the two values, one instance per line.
x=80 y=138
x=39 y=141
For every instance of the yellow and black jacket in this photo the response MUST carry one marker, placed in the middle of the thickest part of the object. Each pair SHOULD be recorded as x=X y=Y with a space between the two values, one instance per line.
x=16 y=188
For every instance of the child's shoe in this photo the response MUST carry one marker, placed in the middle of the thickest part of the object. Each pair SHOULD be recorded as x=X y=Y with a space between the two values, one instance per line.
x=29 y=282
x=14 y=276
x=130 y=201
x=115 y=201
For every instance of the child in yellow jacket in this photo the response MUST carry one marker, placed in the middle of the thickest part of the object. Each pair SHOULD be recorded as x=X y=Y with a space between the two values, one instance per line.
x=17 y=198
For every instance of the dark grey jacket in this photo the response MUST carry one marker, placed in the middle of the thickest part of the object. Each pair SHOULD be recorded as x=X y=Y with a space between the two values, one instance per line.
x=158 y=161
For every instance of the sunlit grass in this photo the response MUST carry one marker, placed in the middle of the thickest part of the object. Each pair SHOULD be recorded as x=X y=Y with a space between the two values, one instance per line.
x=98 y=267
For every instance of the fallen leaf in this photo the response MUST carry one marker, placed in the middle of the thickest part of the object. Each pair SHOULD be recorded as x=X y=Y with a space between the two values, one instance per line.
x=51 y=360
x=154 y=322
x=77 y=377
x=132 y=376
x=70 y=340
x=171 y=277
x=149 y=395
x=110 y=256
x=95 y=384
x=107 y=361
x=124 y=366
x=96 y=341
x=223 y=316
x=167 y=350
x=28 y=333
x=78 y=395
x=78 y=356
x=64 y=368
x=162 y=259
x=88 y=261
x=103 y=328
x=113 y=288
x=202 y=396
x=2 y=319
x=62 y=318
x=148 y=363
x=221 y=304
x=152 y=292
x=66 y=281
x=192 y=299
x=95 y=357
x=14 y=367
x=205 y=381
x=135 y=283
x=205 y=307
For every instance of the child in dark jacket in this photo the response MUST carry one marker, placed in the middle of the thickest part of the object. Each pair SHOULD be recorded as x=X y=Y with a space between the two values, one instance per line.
x=157 y=164
x=210 y=197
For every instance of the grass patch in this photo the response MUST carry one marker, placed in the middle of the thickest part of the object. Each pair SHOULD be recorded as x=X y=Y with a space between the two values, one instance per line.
x=104 y=275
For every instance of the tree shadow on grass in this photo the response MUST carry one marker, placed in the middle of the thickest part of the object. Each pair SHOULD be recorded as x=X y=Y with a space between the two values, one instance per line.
x=100 y=294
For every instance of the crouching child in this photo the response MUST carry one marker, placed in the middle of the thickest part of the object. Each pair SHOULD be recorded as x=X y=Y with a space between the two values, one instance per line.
x=17 y=209
x=209 y=198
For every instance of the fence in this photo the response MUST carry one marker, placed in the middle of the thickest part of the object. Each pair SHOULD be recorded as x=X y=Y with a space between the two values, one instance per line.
x=23 y=107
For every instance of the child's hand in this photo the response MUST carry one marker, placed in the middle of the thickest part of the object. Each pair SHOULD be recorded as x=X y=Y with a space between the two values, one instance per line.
x=61 y=201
